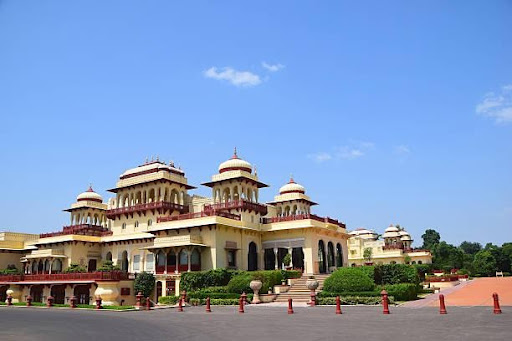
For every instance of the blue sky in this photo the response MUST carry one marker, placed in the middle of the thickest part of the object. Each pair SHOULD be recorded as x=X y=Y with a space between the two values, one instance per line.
x=387 y=112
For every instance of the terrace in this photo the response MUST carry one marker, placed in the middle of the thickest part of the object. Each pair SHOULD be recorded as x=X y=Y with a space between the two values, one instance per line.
x=82 y=229
x=238 y=204
x=159 y=206
x=301 y=217
x=65 y=277
x=198 y=215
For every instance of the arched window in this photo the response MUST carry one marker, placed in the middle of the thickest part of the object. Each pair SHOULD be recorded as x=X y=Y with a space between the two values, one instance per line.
x=57 y=266
x=420 y=262
x=109 y=256
x=150 y=222
x=195 y=260
x=123 y=226
x=136 y=224
x=124 y=261
x=322 y=266
x=252 y=263
x=183 y=257
x=330 y=256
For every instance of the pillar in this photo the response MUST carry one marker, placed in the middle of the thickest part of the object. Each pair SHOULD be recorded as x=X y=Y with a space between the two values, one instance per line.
x=276 y=259
x=188 y=260
x=290 y=252
x=177 y=262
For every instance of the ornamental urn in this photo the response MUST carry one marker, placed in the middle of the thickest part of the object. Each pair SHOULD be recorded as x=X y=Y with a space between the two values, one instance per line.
x=256 y=285
x=312 y=284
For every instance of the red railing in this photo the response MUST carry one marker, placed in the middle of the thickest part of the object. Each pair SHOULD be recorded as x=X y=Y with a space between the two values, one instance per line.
x=300 y=217
x=82 y=229
x=198 y=215
x=235 y=204
x=78 y=276
x=145 y=207
x=160 y=269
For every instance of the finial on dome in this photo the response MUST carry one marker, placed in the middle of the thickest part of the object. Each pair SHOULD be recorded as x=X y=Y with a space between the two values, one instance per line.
x=291 y=179
x=158 y=158
x=147 y=160
x=90 y=188
x=235 y=156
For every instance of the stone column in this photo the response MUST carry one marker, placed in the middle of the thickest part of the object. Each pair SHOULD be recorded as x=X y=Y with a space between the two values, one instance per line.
x=276 y=258
x=165 y=263
x=177 y=261
x=290 y=252
x=188 y=260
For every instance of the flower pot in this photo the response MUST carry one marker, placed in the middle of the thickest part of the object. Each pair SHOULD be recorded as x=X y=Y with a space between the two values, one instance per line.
x=256 y=285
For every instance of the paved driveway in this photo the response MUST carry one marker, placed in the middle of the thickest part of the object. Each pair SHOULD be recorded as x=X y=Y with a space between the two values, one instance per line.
x=258 y=323
x=477 y=292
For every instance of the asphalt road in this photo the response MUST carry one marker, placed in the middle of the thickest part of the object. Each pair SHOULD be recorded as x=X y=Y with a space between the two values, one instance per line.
x=258 y=323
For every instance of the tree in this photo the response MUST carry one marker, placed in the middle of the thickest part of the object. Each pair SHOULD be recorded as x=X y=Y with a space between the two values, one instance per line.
x=470 y=248
x=145 y=283
x=368 y=254
x=107 y=266
x=502 y=260
x=484 y=263
x=447 y=256
x=430 y=238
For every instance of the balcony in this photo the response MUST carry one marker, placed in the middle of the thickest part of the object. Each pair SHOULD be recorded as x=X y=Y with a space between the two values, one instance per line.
x=65 y=277
x=82 y=229
x=160 y=269
x=198 y=215
x=158 y=206
x=301 y=217
x=238 y=204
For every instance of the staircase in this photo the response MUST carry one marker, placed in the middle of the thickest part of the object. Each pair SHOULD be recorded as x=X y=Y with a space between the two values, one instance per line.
x=298 y=290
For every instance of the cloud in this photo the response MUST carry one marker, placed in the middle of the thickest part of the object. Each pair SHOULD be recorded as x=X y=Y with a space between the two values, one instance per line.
x=272 y=68
x=497 y=106
x=235 y=77
x=351 y=151
x=402 y=150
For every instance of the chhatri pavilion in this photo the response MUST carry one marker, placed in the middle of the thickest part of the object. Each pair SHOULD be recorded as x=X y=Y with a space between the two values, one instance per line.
x=153 y=224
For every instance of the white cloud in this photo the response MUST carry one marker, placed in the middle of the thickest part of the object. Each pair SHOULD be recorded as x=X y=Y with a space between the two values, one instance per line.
x=235 y=77
x=402 y=150
x=272 y=68
x=497 y=106
x=351 y=151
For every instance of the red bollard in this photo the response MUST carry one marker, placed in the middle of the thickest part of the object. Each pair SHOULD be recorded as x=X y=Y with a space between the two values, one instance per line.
x=290 y=306
x=208 y=308
x=139 y=297
x=180 y=305
x=442 y=307
x=241 y=305
x=497 y=309
x=385 y=302
x=72 y=302
x=148 y=304
x=98 y=302
x=9 y=300
x=312 y=303
x=49 y=301
x=29 y=301
x=338 y=305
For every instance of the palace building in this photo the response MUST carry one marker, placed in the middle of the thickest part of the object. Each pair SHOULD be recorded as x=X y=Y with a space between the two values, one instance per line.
x=395 y=247
x=153 y=224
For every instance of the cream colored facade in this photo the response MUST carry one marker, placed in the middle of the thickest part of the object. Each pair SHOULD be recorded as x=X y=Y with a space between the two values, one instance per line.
x=152 y=223
x=395 y=247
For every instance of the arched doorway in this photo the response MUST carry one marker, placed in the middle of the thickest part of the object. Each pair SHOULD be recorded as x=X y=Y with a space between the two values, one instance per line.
x=270 y=259
x=158 y=290
x=91 y=266
x=124 y=261
x=330 y=256
x=36 y=292
x=58 y=292
x=109 y=256
x=82 y=294
x=298 y=258
x=339 y=256
x=252 y=257
x=3 y=293
x=195 y=260
x=322 y=266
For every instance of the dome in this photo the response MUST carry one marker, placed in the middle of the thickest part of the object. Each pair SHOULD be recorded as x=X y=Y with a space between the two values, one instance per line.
x=235 y=163
x=403 y=233
x=89 y=195
x=392 y=228
x=292 y=187
x=406 y=237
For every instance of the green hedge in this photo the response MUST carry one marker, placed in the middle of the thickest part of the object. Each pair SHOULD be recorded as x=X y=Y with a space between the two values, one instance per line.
x=403 y=291
x=349 y=280
x=240 y=283
x=168 y=300
x=215 y=295
x=352 y=300
x=192 y=281
x=287 y=274
x=349 y=293
x=395 y=274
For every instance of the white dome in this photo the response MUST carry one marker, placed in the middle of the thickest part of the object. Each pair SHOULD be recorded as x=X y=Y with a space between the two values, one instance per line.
x=392 y=228
x=403 y=233
x=89 y=195
x=235 y=163
x=406 y=237
x=292 y=187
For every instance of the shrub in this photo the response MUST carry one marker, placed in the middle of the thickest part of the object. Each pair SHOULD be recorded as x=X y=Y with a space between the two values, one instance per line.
x=145 y=283
x=287 y=259
x=349 y=279
x=352 y=293
x=74 y=268
x=287 y=274
x=395 y=274
x=423 y=269
x=240 y=282
x=191 y=281
x=168 y=299
x=223 y=295
x=107 y=266
x=351 y=300
x=403 y=291
x=223 y=301
x=214 y=290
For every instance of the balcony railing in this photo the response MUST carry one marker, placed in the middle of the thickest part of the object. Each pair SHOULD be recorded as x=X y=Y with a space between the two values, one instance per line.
x=160 y=269
x=158 y=205
x=236 y=204
x=187 y=216
x=82 y=229
x=78 y=276
x=300 y=217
